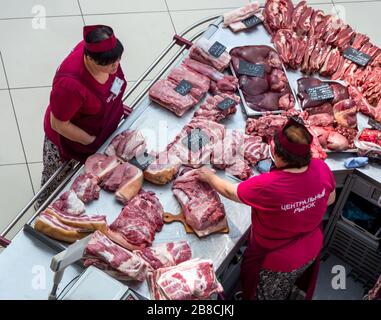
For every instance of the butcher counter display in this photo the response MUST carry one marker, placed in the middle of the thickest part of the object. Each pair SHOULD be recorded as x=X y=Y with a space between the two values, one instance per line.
x=149 y=217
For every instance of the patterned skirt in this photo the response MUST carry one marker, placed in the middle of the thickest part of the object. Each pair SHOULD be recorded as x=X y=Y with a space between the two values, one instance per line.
x=278 y=285
x=51 y=163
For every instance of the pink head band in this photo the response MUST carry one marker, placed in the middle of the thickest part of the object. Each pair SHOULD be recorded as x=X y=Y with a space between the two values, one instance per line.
x=298 y=149
x=102 y=46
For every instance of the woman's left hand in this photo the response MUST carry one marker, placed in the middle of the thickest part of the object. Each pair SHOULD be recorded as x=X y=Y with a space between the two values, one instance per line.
x=127 y=110
x=204 y=173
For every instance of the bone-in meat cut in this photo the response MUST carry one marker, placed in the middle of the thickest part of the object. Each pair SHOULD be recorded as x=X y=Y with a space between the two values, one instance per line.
x=201 y=205
x=138 y=222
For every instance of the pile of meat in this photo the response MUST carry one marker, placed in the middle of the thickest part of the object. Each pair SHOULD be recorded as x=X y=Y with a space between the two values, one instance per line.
x=269 y=92
x=266 y=126
x=314 y=42
x=139 y=220
x=371 y=135
x=133 y=265
x=234 y=19
x=202 y=71
x=332 y=121
x=191 y=280
x=201 y=205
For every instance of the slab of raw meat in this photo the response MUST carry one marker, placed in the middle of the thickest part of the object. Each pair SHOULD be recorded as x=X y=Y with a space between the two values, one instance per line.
x=239 y=26
x=240 y=14
x=126 y=180
x=86 y=187
x=199 y=52
x=278 y=15
x=224 y=83
x=163 y=92
x=163 y=169
x=102 y=248
x=127 y=145
x=191 y=280
x=209 y=109
x=61 y=226
x=200 y=83
x=69 y=203
x=201 y=205
x=345 y=113
x=255 y=149
x=166 y=254
x=265 y=126
x=337 y=142
x=138 y=222
x=324 y=108
x=321 y=120
x=100 y=165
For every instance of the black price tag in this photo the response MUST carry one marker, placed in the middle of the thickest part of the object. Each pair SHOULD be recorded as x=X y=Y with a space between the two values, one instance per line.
x=320 y=93
x=374 y=124
x=195 y=140
x=183 y=87
x=251 y=69
x=251 y=21
x=357 y=57
x=217 y=49
x=226 y=104
x=142 y=161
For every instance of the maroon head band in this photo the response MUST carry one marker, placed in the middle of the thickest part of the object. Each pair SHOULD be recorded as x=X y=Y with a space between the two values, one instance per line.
x=298 y=149
x=101 y=46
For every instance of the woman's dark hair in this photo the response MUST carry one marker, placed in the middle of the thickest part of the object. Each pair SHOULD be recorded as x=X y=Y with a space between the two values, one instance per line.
x=295 y=134
x=103 y=58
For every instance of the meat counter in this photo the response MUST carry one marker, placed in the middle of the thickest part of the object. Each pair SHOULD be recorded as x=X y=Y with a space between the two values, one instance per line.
x=24 y=264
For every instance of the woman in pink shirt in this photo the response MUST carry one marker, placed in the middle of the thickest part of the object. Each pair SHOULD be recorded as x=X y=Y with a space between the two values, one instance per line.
x=288 y=205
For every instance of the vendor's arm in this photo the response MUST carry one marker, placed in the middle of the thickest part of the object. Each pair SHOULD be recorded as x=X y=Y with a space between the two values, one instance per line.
x=332 y=198
x=223 y=187
x=70 y=131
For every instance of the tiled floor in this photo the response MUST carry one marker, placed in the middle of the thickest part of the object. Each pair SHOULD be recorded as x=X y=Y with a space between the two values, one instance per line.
x=31 y=49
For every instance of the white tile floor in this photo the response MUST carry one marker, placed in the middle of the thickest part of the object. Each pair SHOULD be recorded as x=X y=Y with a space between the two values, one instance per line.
x=31 y=49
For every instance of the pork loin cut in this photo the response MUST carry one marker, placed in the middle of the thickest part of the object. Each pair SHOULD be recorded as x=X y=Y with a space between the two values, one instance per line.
x=127 y=145
x=138 y=222
x=166 y=254
x=200 y=83
x=210 y=110
x=240 y=14
x=191 y=280
x=101 y=248
x=100 y=165
x=69 y=203
x=163 y=92
x=86 y=187
x=201 y=205
x=200 y=52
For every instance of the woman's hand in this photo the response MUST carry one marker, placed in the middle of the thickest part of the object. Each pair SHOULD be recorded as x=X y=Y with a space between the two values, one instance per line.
x=90 y=140
x=204 y=174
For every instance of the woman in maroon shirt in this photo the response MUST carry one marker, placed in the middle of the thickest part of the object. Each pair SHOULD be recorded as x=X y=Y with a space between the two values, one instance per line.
x=288 y=205
x=85 y=102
